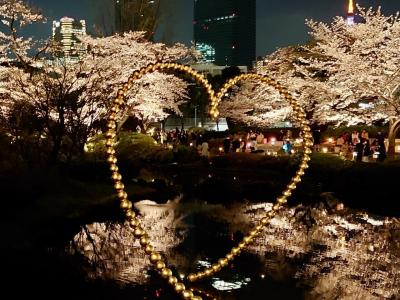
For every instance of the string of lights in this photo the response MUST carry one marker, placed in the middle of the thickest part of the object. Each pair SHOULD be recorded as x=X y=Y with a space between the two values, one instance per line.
x=156 y=258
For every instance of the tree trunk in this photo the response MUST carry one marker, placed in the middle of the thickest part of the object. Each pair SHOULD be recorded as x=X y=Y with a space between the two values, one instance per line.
x=394 y=126
x=121 y=123
x=55 y=151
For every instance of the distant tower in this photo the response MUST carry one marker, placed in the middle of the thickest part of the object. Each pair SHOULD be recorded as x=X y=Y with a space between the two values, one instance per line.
x=66 y=32
x=350 y=13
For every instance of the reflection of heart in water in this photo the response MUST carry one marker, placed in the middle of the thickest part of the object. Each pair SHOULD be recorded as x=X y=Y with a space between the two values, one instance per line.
x=126 y=205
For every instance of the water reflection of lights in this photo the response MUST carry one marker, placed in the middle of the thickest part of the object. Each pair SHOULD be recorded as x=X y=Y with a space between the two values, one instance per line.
x=223 y=285
x=356 y=246
x=203 y=293
x=204 y=263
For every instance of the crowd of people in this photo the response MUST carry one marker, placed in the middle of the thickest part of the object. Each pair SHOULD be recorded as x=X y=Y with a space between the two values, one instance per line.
x=240 y=142
x=360 y=146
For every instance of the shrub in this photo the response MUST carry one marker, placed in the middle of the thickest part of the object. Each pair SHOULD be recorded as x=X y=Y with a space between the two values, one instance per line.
x=130 y=146
x=186 y=154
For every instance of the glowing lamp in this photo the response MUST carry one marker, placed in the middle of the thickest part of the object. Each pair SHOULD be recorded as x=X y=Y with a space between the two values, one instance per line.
x=325 y=150
x=330 y=140
x=220 y=149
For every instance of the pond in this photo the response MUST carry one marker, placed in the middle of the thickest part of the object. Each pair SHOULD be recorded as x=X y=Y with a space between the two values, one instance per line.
x=306 y=252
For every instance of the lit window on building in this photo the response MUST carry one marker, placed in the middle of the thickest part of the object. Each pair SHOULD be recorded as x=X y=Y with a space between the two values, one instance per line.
x=207 y=52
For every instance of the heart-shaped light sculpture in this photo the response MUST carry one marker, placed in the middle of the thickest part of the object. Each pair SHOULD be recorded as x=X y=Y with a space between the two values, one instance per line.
x=155 y=258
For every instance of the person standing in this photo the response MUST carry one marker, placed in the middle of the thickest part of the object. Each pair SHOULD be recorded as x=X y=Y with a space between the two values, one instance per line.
x=381 y=147
x=360 y=150
x=204 y=150
x=227 y=145
x=235 y=145
x=260 y=138
x=317 y=139
x=364 y=134
x=355 y=138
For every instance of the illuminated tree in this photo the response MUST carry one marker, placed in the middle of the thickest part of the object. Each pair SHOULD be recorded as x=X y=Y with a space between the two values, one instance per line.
x=362 y=64
x=68 y=101
x=349 y=75
x=254 y=104
x=259 y=105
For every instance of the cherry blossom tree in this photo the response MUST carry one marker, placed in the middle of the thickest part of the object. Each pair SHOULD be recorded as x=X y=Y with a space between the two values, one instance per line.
x=362 y=65
x=254 y=104
x=69 y=100
x=349 y=75
x=260 y=105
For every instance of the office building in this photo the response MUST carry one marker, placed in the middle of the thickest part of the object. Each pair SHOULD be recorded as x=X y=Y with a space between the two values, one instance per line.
x=67 y=31
x=225 y=31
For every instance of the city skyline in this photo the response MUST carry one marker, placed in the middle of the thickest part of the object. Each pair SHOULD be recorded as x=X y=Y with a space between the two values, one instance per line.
x=278 y=24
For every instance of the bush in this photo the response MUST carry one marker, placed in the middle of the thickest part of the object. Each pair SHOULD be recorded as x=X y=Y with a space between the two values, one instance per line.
x=162 y=156
x=186 y=154
x=131 y=146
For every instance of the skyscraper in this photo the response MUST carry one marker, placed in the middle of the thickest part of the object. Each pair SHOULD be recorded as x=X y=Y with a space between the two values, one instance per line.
x=350 y=13
x=225 y=31
x=66 y=32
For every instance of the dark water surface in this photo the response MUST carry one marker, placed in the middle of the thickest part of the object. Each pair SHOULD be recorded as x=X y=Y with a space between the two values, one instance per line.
x=306 y=253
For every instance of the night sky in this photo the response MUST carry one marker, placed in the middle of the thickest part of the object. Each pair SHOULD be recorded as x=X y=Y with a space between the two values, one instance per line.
x=279 y=22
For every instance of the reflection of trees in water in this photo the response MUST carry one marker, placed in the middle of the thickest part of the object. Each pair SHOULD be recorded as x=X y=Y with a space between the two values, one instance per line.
x=340 y=256
x=335 y=254
x=112 y=251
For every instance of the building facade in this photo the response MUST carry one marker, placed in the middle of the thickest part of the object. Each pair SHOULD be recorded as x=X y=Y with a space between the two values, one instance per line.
x=66 y=32
x=225 y=31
